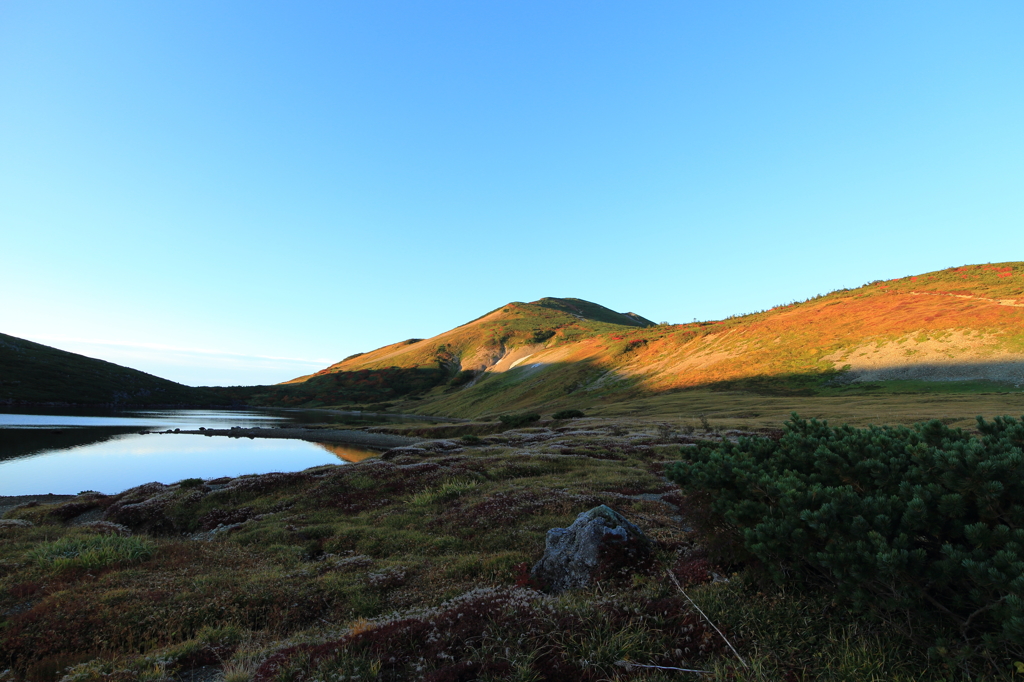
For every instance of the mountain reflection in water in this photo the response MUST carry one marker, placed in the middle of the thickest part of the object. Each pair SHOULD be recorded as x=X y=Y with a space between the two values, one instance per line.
x=17 y=443
x=111 y=451
x=347 y=452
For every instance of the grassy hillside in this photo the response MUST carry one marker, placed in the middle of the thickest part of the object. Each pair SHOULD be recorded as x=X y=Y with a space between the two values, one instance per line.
x=450 y=361
x=34 y=373
x=958 y=330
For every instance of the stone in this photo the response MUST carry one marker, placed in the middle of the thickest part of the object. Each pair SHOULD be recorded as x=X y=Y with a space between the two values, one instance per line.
x=599 y=544
x=404 y=450
x=437 y=445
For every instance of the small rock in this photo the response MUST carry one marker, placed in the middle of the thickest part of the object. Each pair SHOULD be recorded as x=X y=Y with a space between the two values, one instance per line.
x=599 y=543
x=107 y=528
x=437 y=445
x=15 y=523
x=404 y=450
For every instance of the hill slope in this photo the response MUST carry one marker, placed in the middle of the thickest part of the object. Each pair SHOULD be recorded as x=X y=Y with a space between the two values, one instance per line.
x=33 y=373
x=456 y=358
x=958 y=325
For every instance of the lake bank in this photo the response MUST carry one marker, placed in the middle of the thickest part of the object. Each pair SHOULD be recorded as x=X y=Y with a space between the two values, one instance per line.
x=345 y=436
x=66 y=451
x=9 y=502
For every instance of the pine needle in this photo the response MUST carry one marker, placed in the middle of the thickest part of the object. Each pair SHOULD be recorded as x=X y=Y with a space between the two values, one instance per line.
x=701 y=612
x=629 y=665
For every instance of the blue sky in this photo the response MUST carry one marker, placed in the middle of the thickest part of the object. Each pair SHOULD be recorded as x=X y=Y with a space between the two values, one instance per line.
x=240 y=192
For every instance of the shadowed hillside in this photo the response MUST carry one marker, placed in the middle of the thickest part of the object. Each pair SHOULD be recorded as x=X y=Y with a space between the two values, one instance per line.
x=959 y=330
x=34 y=373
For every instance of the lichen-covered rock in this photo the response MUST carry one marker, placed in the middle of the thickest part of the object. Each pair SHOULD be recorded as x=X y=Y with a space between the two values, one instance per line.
x=404 y=450
x=437 y=445
x=107 y=528
x=600 y=543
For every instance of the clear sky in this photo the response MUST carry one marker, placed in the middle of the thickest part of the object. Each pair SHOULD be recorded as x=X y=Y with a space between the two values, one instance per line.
x=242 y=192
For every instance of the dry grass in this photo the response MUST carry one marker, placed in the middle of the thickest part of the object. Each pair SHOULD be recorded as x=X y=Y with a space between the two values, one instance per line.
x=737 y=409
x=963 y=324
x=415 y=568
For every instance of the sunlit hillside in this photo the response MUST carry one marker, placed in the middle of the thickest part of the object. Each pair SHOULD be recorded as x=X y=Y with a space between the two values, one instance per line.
x=960 y=329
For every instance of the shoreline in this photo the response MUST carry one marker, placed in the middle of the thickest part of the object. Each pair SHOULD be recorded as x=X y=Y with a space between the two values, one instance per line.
x=381 y=441
x=9 y=502
x=370 y=441
x=360 y=413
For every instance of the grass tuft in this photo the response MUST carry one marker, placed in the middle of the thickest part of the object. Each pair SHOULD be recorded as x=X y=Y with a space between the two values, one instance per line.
x=449 y=490
x=91 y=553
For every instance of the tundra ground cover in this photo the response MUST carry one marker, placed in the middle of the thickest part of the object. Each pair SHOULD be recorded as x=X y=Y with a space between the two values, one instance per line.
x=415 y=566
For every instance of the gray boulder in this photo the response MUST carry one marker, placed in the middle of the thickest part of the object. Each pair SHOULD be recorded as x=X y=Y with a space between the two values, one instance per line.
x=599 y=544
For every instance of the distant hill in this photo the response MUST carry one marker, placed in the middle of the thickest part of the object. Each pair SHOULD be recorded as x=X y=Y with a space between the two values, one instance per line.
x=959 y=329
x=454 y=359
x=33 y=373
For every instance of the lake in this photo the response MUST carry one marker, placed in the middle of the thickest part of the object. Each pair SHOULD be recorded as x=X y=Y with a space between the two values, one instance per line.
x=66 y=451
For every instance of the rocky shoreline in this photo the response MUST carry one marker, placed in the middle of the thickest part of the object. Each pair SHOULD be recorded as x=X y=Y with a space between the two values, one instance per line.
x=380 y=441
x=9 y=502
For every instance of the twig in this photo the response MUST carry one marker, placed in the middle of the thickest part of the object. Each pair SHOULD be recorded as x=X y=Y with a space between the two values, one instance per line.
x=694 y=604
x=629 y=666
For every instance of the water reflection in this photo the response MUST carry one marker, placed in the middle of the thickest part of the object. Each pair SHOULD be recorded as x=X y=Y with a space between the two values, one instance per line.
x=347 y=453
x=140 y=419
x=65 y=452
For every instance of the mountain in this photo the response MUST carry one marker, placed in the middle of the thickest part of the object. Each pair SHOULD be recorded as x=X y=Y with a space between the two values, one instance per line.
x=960 y=329
x=455 y=359
x=34 y=373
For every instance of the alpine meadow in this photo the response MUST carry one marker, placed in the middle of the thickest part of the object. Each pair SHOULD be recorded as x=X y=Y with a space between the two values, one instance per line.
x=534 y=341
x=773 y=547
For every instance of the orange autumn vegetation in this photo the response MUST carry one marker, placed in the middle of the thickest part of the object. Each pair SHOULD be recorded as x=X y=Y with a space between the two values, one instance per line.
x=566 y=352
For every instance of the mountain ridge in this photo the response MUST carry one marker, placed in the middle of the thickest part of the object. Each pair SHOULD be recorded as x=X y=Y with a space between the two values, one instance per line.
x=32 y=373
x=963 y=326
x=958 y=329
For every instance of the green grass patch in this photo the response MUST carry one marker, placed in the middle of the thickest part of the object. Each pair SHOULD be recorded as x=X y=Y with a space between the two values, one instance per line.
x=91 y=553
x=895 y=387
x=449 y=490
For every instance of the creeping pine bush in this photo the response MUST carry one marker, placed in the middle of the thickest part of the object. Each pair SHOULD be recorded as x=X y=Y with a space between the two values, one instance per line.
x=568 y=414
x=91 y=553
x=924 y=519
x=513 y=421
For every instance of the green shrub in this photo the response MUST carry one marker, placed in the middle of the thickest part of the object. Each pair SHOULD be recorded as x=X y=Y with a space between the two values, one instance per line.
x=542 y=335
x=91 y=553
x=514 y=421
x=464 y=377
x=925 y=519
x=225 y=635
x=191 y=482
x=568 y=414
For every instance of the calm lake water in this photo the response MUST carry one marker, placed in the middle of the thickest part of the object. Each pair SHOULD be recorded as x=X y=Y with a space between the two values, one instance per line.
x=68 y=451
